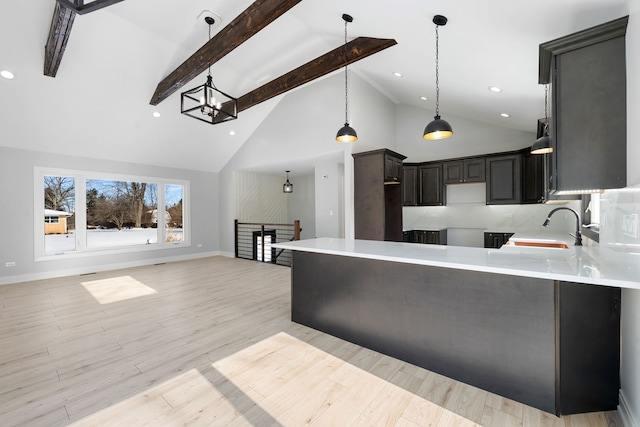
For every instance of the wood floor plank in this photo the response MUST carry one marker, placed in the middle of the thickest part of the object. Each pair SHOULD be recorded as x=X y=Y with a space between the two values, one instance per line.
x=213 y=345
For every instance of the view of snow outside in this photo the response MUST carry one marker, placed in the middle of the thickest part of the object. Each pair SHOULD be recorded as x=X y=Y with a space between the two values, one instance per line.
x=59 y=243
x=105 y=234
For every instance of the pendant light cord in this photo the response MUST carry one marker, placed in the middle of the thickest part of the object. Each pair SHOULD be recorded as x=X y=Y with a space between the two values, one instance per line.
x=346 y=74
x=437 y=75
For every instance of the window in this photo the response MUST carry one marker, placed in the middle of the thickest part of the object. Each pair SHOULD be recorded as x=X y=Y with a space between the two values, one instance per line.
x=87 y=212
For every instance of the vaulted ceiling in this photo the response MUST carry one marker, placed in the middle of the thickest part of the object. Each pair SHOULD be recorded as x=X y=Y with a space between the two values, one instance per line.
x=116 y=56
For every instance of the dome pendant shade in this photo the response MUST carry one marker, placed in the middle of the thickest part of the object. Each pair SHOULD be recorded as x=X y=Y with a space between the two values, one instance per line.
x=542 y=145
x=437 y=129
x=346 y=134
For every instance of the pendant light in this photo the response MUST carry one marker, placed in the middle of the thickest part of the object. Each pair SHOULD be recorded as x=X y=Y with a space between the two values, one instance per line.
x=206 y=102
x=287 y=187
x=438 y=128
x=543 y=144
x=346 y=133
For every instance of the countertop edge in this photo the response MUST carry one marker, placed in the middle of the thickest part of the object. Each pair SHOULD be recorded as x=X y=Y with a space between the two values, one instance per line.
x=478 y=259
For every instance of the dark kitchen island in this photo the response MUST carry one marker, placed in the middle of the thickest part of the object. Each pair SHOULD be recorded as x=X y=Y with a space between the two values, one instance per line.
x=550 y=343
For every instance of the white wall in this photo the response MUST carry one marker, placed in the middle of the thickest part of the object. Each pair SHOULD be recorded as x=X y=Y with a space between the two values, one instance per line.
x=259 y=198
x=630 y=369
x=302 y=204
x=17 y=186
x=329 y=203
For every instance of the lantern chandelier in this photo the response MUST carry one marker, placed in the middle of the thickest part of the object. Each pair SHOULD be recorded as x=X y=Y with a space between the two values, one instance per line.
x=206 y=102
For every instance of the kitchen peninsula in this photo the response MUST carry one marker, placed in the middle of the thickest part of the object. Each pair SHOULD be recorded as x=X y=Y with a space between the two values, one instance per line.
x=540 y=326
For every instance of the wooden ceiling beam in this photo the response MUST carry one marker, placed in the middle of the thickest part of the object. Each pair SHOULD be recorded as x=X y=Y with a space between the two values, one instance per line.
x=82 y=8
x=64 y=14
x=257 y=16
x=356 y=50
x=61 y=25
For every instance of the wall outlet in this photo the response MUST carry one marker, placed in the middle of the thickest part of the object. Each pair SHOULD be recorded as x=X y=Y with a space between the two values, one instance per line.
x=10 y=264
x=199 y=245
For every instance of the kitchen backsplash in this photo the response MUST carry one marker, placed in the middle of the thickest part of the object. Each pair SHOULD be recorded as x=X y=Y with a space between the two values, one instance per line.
x=466 y=208
x=620 y=220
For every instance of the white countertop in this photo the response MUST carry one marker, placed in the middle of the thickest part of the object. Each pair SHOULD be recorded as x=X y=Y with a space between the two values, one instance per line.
x=586 y=264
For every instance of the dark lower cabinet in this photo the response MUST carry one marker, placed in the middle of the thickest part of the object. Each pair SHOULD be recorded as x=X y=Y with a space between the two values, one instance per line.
x=496 y=240
x=503 y=180
x=548 y=344
x=429 y=237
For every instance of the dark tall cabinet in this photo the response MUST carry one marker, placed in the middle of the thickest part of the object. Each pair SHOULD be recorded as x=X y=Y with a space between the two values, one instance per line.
x=587 y=72
x=377 y=195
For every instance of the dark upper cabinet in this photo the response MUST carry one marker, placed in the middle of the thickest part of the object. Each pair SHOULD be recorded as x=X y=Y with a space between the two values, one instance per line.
x=462 y=171
x=430 y=186
x=377 y=206
x=409 y=185
x=587 y=72
x=393 y=167
x=503 y=179
x=533 y=177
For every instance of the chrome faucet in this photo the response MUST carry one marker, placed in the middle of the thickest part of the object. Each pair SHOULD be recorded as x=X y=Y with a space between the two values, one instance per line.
x=578 y=234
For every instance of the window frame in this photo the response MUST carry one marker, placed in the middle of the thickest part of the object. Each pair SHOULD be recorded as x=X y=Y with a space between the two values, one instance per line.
x=81 y=177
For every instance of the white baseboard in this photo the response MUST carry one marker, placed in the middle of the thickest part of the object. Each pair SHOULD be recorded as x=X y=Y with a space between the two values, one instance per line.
x=227 y=254
x=624 y=412
x=106 y=267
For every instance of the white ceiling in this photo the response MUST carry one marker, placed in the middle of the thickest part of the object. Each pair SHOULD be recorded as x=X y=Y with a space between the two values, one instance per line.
x=117 y=55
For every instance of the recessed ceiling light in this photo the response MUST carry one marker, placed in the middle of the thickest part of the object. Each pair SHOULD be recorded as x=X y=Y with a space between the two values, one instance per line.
x=7 y=74
x=156 y=114
x=505 y=115
x=397 y=74
x=233 y=132
x=495 y=89
x=424 y=98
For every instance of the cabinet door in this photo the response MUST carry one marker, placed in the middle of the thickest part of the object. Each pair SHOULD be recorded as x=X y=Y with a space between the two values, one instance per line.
x=453 y=172
x=409 y=187
x=459 y=171
x=433 y=238
x=430 y=187
x=503 y=180
x=392 y=168
x=474 y=170
x=533 y=178
x=589 y=117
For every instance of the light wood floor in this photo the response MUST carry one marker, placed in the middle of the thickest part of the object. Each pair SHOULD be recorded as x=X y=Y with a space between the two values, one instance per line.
x=209 y=342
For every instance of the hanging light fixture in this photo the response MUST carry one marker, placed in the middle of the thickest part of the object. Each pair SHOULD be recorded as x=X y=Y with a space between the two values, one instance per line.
x=346 y=133
x=438 y=128
x=206 y=102
x=543 y=144
x=287 y=187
